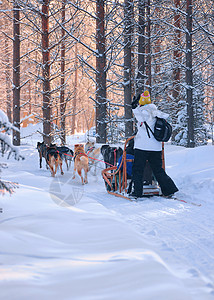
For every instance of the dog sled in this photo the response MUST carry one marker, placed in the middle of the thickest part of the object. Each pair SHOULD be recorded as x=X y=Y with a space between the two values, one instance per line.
x=119 y=184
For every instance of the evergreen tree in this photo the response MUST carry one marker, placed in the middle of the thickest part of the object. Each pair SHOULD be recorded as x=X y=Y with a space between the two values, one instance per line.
x=181 y=125
x=200 y=132
x=6 y=146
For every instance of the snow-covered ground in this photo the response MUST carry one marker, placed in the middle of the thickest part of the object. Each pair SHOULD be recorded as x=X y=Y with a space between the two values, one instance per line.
x=62 y=240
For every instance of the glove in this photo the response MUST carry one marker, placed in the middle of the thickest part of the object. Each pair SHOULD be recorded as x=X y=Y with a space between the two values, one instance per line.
x=135 y=101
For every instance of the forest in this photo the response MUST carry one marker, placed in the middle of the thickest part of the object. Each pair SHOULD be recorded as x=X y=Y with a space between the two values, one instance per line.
x=70 y=70
x=76 y=65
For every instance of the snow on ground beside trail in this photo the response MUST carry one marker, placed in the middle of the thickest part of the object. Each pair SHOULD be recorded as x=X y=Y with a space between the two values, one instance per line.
x=62 y=240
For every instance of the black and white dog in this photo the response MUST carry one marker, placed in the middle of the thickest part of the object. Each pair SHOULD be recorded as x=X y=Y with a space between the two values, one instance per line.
x=111 y=155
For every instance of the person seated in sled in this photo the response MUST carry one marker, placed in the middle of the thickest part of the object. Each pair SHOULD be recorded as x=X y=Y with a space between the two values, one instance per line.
x=148 y=175
x=130 y=158
x=146 y=147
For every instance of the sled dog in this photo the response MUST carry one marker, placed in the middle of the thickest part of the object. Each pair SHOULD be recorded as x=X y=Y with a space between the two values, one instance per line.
x=93 y=155
x=66 y=154
x=42 y=149
x=80 y=162
x=111 y=155
x=54 y=159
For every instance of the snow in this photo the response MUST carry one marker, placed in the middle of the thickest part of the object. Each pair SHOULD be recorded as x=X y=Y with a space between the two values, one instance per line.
x=3 y=117
x=62 y=240
x=5 y=137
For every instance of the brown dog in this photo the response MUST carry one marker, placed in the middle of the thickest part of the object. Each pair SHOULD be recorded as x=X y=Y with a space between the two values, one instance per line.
x=80 y=162
x=54 y=159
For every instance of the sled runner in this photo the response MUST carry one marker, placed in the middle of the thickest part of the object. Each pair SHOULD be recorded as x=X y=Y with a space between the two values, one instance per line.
x=118 y=183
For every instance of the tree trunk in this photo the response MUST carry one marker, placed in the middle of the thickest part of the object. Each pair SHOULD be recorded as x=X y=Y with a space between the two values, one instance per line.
x=128 y=36
x=157 y=43
x=73 y=125
x=46 y=73
x=7 y=80
x=100 y=74
x=62 y=87
x=148 y=82
x=29 y=97
x=141 y=48
x=177 y=53
x=176 y=64
x=16 y=74
x=189 y=77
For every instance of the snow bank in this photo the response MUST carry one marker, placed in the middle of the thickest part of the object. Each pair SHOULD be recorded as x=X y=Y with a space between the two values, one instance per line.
x=62 y=240
x=81 y=252
x=84 y=251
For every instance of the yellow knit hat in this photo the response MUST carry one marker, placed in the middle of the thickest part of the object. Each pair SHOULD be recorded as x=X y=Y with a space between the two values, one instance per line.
x=145 y=98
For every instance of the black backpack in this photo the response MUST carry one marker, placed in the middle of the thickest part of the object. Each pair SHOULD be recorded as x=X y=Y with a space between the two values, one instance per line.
x=162 y=130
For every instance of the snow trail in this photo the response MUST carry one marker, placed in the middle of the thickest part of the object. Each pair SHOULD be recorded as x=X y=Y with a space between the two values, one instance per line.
x=55 y=231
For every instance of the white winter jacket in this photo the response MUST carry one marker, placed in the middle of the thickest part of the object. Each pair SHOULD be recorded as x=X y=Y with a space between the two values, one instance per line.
x=147 y=113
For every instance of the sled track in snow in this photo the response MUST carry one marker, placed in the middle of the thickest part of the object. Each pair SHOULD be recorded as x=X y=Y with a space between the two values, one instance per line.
x=186 y=246
x=174 y=233
x=141 y=204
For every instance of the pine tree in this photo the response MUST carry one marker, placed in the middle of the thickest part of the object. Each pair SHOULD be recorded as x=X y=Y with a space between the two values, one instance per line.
x=200 y=132
x=16 y=73
x=100 y=73
x=181 y=125
x=6 y=146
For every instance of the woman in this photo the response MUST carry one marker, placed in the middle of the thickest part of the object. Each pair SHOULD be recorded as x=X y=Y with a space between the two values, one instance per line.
x=146 y=147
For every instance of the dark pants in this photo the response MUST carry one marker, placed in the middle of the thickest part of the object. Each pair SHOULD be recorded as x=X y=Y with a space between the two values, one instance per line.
x=155 y=160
